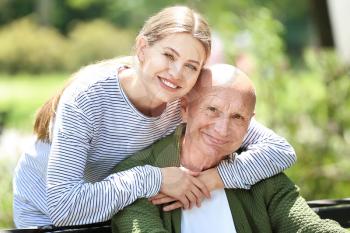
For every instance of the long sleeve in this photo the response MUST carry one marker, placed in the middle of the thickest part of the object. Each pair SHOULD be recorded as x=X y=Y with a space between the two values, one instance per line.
x=142 y=215
x=264 y=154
x=289 y=212
x=71 y=200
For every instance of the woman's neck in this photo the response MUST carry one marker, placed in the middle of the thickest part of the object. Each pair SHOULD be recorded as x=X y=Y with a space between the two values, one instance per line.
x=131 y=82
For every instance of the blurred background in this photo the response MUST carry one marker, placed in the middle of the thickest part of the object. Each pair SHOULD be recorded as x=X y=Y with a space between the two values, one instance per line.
x=297 y=53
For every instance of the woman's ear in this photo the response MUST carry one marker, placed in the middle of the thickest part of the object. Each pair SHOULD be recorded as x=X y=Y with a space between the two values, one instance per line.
x=141 y=45
x=184 y=108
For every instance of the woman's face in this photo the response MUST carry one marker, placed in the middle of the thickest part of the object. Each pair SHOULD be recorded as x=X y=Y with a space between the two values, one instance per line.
x=170 y=67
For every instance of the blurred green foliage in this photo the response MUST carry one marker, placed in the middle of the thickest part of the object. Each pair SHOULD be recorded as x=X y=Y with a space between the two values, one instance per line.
x=28 y=47
x=97 y=40
x=310 y=107
x=22 y=94
x=25 y=46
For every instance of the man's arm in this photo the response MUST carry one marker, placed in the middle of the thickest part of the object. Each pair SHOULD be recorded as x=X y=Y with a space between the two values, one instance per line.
x=289 y=212
x=141 y=216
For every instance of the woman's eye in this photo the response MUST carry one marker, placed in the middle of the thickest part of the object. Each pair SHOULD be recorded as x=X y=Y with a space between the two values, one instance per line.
x=169 y=56
x=191 y=67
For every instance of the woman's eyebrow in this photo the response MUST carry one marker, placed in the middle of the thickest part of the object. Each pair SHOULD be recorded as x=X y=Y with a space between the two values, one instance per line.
x=173 y=50
x=177 y=54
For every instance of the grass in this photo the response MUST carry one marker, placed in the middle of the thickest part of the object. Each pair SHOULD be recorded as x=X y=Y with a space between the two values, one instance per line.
x=21 y=95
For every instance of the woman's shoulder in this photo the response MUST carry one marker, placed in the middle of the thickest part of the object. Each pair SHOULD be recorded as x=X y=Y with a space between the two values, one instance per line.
x=93 y=79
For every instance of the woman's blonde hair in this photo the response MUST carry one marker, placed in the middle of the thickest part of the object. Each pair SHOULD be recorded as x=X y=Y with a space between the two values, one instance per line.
x=177 y=19
x=170 y=20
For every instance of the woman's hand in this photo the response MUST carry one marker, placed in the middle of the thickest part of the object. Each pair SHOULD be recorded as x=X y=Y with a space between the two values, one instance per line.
x=211 y=180
x=182 y=185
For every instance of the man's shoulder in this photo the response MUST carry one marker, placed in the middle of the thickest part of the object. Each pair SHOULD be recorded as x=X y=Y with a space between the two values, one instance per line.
x=276 y=181
x=269 y=185
x=166 y=151
x=160 y=154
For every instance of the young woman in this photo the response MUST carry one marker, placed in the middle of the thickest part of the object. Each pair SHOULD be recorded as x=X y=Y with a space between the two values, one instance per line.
x=112 y=109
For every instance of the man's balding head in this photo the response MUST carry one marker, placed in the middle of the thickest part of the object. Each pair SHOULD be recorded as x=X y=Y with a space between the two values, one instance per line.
x=225 y=76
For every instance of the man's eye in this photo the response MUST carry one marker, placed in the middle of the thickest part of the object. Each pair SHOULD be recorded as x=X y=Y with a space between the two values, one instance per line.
x=211 y=109
x=237 y=117
x=169 y=56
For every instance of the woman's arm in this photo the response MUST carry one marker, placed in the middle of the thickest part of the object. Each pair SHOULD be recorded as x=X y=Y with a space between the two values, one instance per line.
x=73 y=201
x=264 y=154
x=70 y=199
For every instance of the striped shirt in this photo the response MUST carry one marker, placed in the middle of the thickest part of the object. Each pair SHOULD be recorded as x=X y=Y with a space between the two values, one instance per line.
x=70 y=181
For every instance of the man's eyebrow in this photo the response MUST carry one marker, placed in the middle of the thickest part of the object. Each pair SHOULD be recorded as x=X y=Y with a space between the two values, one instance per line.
x=177 y=54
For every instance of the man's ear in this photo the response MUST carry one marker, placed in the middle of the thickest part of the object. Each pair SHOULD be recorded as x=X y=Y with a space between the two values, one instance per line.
x=253 y=115
x=184 y=108
x=141 y=45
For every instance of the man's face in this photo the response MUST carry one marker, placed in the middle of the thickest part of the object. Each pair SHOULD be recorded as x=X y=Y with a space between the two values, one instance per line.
x=217 y=122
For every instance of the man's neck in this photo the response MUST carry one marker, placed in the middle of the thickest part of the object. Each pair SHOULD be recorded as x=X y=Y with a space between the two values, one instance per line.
x=191 y=157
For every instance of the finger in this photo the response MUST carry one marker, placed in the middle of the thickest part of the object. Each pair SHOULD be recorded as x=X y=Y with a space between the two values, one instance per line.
x=192 y=199
x=158 y=196
x=198 y=195
x=163 y=200
x=185 y=202
x=202 y=187
x=173 y=206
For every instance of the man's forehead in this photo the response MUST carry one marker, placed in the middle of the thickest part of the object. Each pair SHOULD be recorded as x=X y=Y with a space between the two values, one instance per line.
x=216 y=92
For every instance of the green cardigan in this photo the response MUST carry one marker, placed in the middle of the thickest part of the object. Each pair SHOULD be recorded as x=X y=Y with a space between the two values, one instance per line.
x=272 y=205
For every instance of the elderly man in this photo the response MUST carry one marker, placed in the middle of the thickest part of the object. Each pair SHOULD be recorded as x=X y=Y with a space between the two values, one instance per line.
x=217 y=113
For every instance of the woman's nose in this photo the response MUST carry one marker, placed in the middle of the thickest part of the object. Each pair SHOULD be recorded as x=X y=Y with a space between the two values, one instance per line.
x=175 y=70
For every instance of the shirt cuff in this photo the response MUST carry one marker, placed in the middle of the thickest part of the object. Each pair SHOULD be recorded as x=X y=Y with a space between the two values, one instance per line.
x=152 y=181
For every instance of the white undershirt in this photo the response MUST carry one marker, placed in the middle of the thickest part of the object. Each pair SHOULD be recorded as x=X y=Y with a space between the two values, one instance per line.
x=214 y=215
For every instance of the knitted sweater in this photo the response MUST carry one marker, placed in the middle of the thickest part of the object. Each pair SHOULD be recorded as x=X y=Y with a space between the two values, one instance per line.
x=272 y=205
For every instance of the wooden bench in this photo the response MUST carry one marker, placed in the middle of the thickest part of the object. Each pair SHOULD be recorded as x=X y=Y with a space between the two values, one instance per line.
x=338 y=210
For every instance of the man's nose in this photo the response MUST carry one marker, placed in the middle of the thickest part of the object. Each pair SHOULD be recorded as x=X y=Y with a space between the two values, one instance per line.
x=222 y=126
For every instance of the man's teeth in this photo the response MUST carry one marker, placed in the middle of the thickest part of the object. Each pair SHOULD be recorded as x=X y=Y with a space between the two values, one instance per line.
x=169 y=84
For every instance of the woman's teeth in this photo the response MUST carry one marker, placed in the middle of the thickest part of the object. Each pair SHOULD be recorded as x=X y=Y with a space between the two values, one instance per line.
x=169 y=84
